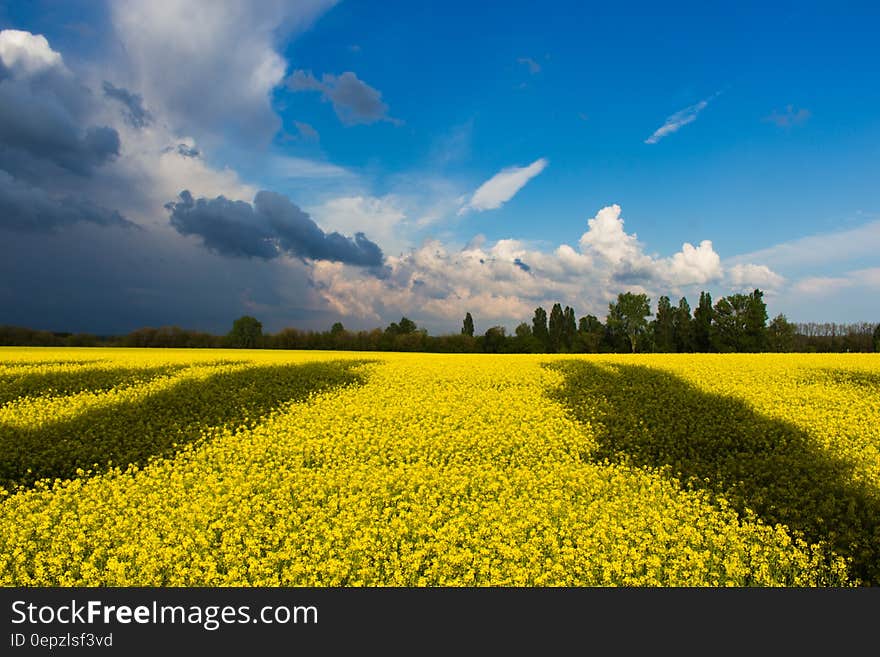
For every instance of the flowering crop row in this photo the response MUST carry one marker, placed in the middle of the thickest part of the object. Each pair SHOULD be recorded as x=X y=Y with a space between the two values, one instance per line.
x=467 y=470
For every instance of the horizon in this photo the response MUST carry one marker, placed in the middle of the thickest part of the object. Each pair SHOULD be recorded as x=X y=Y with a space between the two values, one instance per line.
x=358 y=163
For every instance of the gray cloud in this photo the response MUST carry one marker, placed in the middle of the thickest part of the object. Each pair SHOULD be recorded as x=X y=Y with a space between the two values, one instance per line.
x=306 y=131
x=271 y=226
x=354 y=101
x=519 y=263
x=30 y=209
x=135 y=113
x=44 y=120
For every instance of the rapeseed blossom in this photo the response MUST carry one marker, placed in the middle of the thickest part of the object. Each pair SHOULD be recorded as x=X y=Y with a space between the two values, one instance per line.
x=428 y=470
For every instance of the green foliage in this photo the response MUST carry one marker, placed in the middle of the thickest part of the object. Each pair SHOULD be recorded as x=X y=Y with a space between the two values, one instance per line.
x=246 y=333
x=494 y=340
x=663 y=326
x=876 y=338
x=702 y=324
x=555 y=328
x=467 y=327
x=740 y=323
x=781 y=334
x=539 y=327
x=682 y=328
x=628 y=318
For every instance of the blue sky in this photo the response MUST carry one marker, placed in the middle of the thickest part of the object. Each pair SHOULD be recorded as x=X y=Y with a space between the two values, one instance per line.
x=493 y=157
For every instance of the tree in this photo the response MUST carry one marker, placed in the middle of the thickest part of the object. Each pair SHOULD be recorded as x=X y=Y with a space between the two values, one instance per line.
x=406 y=325
x=523 y=341
x=467 y=327
x=682 y=327
x=628 y=317
x=246 y=333
x=662 y=327
x=555 y=328
x=569 y=328
x=755 y=333
x=702 y=325
x=876 y=338
x=589 y=335
x=523 y=330
x=728 y=332
x=781 y=334
x=337 y=328
x=539 y=327
x=494 y=340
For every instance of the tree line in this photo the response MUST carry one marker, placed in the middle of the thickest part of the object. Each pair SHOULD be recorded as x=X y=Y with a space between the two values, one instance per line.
x=734 y=323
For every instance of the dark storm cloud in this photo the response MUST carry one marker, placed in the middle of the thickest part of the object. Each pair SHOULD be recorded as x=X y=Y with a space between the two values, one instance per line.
x=31 y=209
x=354 y=101
x=44 y=121
x=133 y=103
x=271 y=226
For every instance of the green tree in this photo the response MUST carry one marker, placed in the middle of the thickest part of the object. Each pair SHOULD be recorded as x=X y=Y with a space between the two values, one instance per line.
x=406 y=326
x=876 y=338
x=569 y=328
x=663 y=326
x=682 y=327
x=728 y=331
x=555 y=328
x=755 y=333
x=467 y=327
x=781 y=334
x=703 y=317
x=589 y=335
x=628 y=317
x=494 y=341
x=539 y=327
x=246 y=333
x=337 y=328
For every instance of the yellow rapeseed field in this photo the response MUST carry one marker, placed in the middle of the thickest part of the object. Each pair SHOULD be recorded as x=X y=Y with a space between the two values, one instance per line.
x=273 y=468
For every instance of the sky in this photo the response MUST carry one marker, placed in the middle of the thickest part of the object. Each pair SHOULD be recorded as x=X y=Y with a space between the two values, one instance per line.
x=185 y=163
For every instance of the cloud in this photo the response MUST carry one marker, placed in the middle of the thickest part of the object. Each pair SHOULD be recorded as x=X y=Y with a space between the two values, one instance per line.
x=209 y=66
x=25 y=55
x=354 y=101
x=306 y=131
x=822 y=285
x=506 y=280
x=822 y=249
x=273 y=225
x=46 y=114
x=519 y=263
x=750 y=276
x=790 y=117
x=502 y=187
x=606 y=238
x=187 y=150
x=382 y=217
x=31 y=209
x=299 y=167
x=695 y=265
x=533 y=66
x=678 y=120
x=135 y=113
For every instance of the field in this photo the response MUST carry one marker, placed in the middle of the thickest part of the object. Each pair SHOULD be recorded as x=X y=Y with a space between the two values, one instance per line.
x=271 y=468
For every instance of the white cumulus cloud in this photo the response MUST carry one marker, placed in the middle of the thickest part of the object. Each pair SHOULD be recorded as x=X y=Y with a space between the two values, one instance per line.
x=27 y=54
